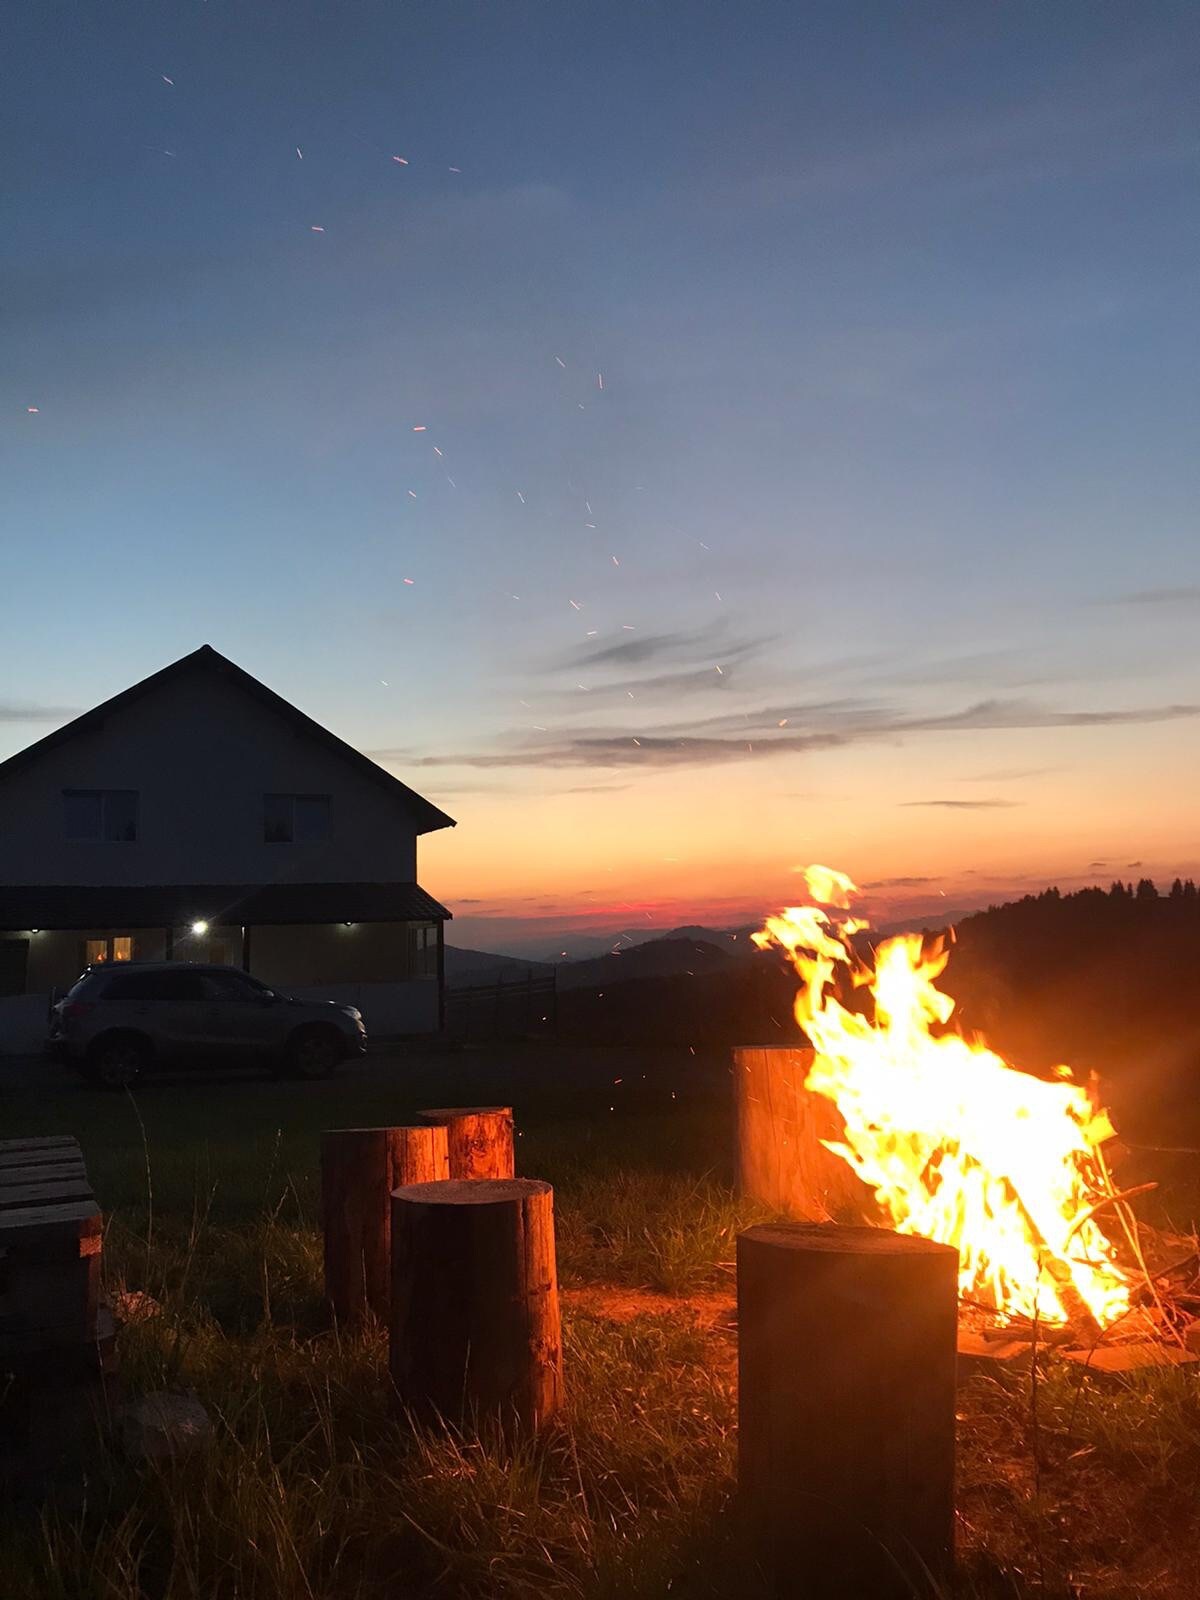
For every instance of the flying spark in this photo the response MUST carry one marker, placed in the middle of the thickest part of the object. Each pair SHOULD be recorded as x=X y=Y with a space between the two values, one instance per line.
x=315 y=229
x=32 y=410
x=600 y=379
x=400 y=161
x=420 y=428
x=561 y=362
x=576 y=604
x=410 y=581
x=165 y=79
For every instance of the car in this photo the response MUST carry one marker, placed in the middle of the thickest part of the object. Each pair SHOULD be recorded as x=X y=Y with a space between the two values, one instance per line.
x=117 y=1022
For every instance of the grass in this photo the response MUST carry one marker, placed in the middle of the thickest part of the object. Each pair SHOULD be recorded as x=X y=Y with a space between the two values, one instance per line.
x=312 y=1490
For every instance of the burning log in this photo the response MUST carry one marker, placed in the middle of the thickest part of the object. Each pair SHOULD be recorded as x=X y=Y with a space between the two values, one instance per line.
x=780 y=1126
x=359 y=1169
x=475 y=1330
x=480 y=1140
x=846 y=1368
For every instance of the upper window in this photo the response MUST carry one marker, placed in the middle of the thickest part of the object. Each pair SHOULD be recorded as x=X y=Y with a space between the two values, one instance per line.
x=297 y=818
x=110 y=815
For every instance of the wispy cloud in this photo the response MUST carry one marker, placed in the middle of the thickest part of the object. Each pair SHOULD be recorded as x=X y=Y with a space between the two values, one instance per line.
x=25 y=711
x=759 y=735
x=899 y=883
x=964 y=805
x=1187 y=594
x=713 y=641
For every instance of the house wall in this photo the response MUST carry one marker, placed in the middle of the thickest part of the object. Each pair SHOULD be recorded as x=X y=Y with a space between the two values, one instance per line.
x=365 y=952
x=201 y=753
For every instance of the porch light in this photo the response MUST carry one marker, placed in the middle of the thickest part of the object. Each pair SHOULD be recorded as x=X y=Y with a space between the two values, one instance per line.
x=200 y=929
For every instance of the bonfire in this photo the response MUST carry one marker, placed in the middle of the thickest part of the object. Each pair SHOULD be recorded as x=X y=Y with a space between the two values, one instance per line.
x=956 y=1143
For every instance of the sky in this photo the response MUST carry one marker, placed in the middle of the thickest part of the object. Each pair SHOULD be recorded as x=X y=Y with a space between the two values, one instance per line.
x=683 y=440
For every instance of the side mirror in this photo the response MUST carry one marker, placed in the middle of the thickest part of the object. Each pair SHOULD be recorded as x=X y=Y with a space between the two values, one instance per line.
x=267 y=998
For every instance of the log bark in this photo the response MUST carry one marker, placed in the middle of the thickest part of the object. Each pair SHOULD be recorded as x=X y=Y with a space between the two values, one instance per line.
x=480 y=1140
x=780 y=1124
x=846 y=1368
x=475 y=1331
x=359 y=1169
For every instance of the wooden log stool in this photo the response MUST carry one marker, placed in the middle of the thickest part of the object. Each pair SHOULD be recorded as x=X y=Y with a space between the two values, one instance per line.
x=780 y=1125
x=846 y=1368
x=480 y=1140
x=475 y=1331
x=359 y=1169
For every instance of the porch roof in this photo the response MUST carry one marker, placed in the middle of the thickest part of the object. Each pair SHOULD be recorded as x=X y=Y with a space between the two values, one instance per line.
x=248 y=905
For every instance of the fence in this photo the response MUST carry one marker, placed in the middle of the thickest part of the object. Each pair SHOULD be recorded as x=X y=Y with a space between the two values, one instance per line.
x=517 y=1009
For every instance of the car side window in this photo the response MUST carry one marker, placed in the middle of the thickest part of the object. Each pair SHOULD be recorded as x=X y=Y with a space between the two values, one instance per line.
x=229 y=986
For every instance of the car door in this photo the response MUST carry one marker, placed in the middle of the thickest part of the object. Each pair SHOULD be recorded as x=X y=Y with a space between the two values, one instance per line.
x=241 y=1017
x=170 y=1006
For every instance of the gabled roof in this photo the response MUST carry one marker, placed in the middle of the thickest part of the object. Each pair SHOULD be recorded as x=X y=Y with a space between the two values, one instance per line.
x=207 y=660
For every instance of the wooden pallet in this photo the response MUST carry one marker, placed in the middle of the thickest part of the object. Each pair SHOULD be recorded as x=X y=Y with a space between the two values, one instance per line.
x=57 y=1338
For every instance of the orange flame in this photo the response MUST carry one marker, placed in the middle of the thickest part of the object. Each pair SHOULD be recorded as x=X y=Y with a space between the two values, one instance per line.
x=957 y=1145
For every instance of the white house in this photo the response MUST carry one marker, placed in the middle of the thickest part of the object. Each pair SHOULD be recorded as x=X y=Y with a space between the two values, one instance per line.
x=199 y=816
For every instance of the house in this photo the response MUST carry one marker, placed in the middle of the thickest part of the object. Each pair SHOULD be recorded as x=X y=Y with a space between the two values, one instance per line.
x=198 y=816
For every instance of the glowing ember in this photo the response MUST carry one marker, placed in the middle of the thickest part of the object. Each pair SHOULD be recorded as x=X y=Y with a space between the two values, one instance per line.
x=957 y=1145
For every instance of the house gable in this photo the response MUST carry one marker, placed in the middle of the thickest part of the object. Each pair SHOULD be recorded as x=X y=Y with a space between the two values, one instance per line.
x=202 y=743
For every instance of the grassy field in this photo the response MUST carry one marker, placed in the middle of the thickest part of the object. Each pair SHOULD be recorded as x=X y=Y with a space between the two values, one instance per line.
x=310 y=1489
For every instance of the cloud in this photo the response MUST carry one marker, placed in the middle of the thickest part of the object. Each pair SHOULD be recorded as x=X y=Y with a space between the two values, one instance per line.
x=964 y=805
x=1184 y=595
x=24 y=711
x=899 y=883
x=596 y=788
x=823 y=726
x=708 y=643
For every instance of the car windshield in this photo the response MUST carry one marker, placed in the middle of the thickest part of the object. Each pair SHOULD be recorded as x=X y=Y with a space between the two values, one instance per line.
x=82 y=985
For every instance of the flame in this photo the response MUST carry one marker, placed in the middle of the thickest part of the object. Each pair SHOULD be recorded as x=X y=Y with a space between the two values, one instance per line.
x=957 y=1145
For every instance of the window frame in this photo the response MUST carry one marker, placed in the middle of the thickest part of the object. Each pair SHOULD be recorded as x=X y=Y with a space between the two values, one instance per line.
x=101 y=797
x=283 y=801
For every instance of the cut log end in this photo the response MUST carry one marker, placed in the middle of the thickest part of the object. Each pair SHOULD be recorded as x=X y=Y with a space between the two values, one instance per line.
x=471 y=1192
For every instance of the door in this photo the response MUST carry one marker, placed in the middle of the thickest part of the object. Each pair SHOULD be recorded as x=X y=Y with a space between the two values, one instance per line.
x=14 y=963
x=241 y=1016
x=165 y=1004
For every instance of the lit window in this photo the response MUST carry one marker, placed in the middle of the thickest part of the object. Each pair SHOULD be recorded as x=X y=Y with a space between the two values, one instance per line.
x=297 y=818
x=105 y=815
x=113 y=947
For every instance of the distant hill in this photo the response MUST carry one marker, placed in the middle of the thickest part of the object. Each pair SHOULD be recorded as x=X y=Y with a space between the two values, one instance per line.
x=464 y=967
x=657 y=958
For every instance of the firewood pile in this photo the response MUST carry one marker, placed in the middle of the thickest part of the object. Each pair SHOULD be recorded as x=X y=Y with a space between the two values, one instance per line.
x=57 y=1338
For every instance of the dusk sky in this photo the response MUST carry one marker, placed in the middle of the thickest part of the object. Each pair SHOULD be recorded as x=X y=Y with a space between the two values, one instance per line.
x=683 y=440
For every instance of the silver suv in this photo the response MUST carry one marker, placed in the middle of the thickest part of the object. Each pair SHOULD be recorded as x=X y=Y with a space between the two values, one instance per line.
x=116 y=1022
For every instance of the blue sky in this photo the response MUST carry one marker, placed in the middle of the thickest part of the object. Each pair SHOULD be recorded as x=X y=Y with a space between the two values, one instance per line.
x=894 y=313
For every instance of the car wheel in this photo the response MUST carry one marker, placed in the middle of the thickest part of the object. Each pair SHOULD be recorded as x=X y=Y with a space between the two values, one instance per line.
x=314 y=1053
x=118 y=1064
